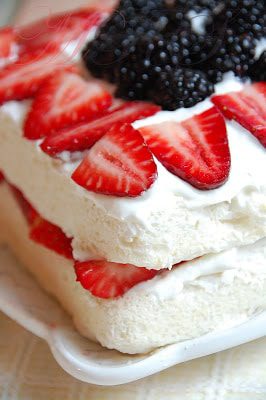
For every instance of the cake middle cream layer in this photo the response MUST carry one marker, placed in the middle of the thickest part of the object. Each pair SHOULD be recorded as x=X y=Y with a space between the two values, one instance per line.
x=214 y=291
x=169 y=223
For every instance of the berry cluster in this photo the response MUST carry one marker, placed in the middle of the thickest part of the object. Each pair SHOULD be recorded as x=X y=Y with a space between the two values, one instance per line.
x=149 y=49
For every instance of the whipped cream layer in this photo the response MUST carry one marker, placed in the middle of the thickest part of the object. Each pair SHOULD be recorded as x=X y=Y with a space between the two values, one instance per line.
x=203 y=272
x=169 y=223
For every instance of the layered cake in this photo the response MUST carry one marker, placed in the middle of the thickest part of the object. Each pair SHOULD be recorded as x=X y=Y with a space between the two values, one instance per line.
x=132 y=151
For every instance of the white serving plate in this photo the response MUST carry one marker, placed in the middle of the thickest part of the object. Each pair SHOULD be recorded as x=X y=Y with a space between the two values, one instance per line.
x=22 y=300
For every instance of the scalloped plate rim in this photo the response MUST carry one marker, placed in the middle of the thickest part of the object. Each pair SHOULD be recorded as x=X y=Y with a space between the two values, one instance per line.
x=84 y=367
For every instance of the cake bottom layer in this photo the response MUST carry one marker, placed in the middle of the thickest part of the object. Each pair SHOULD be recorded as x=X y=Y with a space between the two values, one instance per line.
x=181 y=305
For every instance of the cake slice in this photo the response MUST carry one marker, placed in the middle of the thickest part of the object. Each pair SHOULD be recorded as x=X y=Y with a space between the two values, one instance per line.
x=209 y=294
x=148 y=225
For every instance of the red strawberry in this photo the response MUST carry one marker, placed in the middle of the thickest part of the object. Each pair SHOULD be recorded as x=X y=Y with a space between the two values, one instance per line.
x=51 y=236
x=2 y=178
x=29 y=212
x=23 y=78
x=64 y=99
x=119 y=164
x=108 y=280
x=60 y=29
x=247 y=107
x=42 y=231
x=195 y=149
x=83 y=136
x=7 y=40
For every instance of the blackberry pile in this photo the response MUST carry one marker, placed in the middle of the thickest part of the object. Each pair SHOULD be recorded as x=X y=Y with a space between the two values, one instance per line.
x=258 y=70
x=149 y=50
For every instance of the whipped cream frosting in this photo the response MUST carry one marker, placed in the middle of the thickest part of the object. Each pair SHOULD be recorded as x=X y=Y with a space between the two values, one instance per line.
x=238 y=261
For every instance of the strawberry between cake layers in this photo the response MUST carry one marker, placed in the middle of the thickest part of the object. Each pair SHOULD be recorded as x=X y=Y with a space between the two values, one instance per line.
x=175 y=186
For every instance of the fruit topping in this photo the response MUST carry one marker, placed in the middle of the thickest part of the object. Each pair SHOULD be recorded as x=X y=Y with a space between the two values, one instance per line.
x=60 y=29
x=145 y=44
x=242 y=16
x=118 y=36
x=180 y=88
x=231 y=53
x=247 y=107
x=83 y=136
x=42 y=231
x=108 y=280
x=258 y=70
x=119 y=164
x=196 y=149
x=7 y=41
x=62 y=100
x=157 y=71
x=22 y=79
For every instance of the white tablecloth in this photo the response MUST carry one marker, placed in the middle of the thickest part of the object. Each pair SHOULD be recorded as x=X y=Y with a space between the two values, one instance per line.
x=29 y=372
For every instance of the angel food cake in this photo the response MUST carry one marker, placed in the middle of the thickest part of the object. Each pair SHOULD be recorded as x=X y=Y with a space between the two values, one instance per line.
x=132 y=147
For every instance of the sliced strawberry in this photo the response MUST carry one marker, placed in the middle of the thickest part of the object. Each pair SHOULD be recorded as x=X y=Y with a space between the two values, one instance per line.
x=61 y=29
x=83 y=136
x=119 y=164
x=51 y=236
x=196 y=149
x=247 y=107
x=64 y=99
x=2 y=178
x=28 y=211
x=42 y=231
x=23 y=78
x=108 y=280
x=7 y=41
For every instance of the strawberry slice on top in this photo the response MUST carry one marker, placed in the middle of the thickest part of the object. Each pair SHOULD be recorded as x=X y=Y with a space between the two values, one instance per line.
x=22 y=79
x=61 y=29
x=83 y=136
x=119 y=164
x=7 y=41
x=62 y=100
x=247 y=107
x=196 y=149
x=109 y=280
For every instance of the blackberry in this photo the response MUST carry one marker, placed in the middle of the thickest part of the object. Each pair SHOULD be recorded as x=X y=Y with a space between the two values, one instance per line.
x=181 y=87
x=214 y=75
x=118 y=36
x=258 y=70
x=153 y=54
x=232 y=53
x=243 y=16
x=197 y=5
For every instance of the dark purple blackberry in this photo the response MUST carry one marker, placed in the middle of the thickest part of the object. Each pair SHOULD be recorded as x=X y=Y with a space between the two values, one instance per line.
x=180 y=87
x=197 y=5
x=258 y=70
x=118 y=36
x=232 y=53
x=214 y=75
x=134 y=73
x=196 y=49
x=243 y=16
